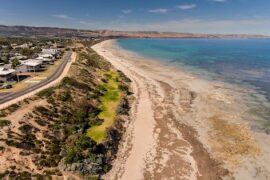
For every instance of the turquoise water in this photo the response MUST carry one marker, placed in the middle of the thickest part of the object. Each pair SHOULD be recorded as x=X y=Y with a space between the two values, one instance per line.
x=241 y=61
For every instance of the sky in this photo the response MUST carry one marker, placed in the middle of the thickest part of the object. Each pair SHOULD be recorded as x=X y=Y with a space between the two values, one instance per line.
x=193 y=16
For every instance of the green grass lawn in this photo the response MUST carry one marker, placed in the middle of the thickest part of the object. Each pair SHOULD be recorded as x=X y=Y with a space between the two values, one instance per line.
x=109 y=104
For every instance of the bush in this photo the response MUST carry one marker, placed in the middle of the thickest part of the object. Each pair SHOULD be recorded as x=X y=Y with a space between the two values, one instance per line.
x=124 y=88
x=14 y=107
x=73 y=155
x=3 y=113
x=48 y=162
x=84 y=142
x=4 y=123
x=67 y=81
x=27 y=142
x=123 y=107
x=42 y=110
x=51 y=100
x=46 y=92
x=65 y=96
x=40 y=122
x=26 y=129
x=55 y=147
x=2 y=148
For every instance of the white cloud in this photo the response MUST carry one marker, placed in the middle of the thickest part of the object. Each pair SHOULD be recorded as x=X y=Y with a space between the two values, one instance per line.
x=187 y=6
x=159 y=10
x=127 y=11
x=62 y=16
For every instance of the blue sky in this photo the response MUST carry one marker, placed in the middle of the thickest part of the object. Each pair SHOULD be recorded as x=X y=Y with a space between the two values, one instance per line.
x=195 y=16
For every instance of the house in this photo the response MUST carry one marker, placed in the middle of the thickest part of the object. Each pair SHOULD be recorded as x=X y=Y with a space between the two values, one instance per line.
x=50 y=51
x=45 y=60
x=30 y=65
x=49 y=56
x=6 y=74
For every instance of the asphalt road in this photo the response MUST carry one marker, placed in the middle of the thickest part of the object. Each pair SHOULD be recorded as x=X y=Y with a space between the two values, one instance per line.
x=51 y=78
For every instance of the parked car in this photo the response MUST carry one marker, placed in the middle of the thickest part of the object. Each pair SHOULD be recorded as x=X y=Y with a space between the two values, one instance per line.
x=7 y=86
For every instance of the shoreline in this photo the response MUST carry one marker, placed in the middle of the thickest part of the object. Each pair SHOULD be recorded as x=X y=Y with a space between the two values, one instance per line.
x=178 y=125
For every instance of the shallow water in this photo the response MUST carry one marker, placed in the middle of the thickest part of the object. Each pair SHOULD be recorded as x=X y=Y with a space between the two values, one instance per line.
x=244 y=62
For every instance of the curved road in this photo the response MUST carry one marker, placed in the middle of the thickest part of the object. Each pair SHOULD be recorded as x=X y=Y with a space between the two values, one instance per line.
x=51 y=78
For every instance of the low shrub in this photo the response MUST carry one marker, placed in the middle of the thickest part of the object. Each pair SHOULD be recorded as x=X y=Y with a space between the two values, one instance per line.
x=65 y=96
x=26 y=129
x=46 y=92
x=14 y=107
x=73 y=155
x=67 y=81
x=4 y=123
x=2 y=148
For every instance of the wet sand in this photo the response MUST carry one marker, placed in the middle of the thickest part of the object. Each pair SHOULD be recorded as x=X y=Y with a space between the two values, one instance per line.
x=184 y=127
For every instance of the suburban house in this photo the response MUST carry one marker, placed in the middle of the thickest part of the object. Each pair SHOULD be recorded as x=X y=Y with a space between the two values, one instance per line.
x=45 y=60
x=50 y=51
x=30 y=65
x=6 y=74
x=49 y=56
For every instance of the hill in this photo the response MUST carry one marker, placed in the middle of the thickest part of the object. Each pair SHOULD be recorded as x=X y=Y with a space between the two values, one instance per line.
x=27 y=31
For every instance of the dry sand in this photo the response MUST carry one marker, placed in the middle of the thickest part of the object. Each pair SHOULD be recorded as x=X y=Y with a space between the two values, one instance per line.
x=184 y=127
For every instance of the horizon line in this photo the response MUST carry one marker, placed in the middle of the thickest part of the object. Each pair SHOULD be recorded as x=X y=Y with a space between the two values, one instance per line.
x=132 y=31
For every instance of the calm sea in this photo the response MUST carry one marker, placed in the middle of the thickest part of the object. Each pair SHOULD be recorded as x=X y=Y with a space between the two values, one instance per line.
x=243 y=61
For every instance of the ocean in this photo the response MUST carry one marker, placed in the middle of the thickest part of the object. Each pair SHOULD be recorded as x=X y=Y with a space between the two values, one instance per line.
x=244 y=62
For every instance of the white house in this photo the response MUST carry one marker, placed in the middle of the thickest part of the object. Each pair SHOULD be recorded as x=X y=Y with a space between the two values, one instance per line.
x=30 y=65
x=6 y=74
x=50 y=51
x=49 y=56
x=45 y=60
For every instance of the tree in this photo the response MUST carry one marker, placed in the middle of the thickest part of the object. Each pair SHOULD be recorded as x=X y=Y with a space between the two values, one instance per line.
x=15 y=62
x=27 y=52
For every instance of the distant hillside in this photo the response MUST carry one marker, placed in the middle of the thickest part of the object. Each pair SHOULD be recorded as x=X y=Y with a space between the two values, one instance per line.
x=75 y=33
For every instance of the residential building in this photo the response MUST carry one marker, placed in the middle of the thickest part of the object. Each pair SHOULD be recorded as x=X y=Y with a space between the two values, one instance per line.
x=50 y=51
x=45 y=60
x=6 y=74
x=30 y=65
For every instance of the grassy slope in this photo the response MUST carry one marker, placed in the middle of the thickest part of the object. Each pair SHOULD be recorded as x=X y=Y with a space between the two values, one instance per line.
x=109 y=104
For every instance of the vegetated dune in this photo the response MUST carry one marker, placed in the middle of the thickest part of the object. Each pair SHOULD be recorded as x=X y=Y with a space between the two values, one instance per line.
x=47 y=135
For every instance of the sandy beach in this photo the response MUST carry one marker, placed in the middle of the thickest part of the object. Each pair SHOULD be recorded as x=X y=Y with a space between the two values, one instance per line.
x=184 y=127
